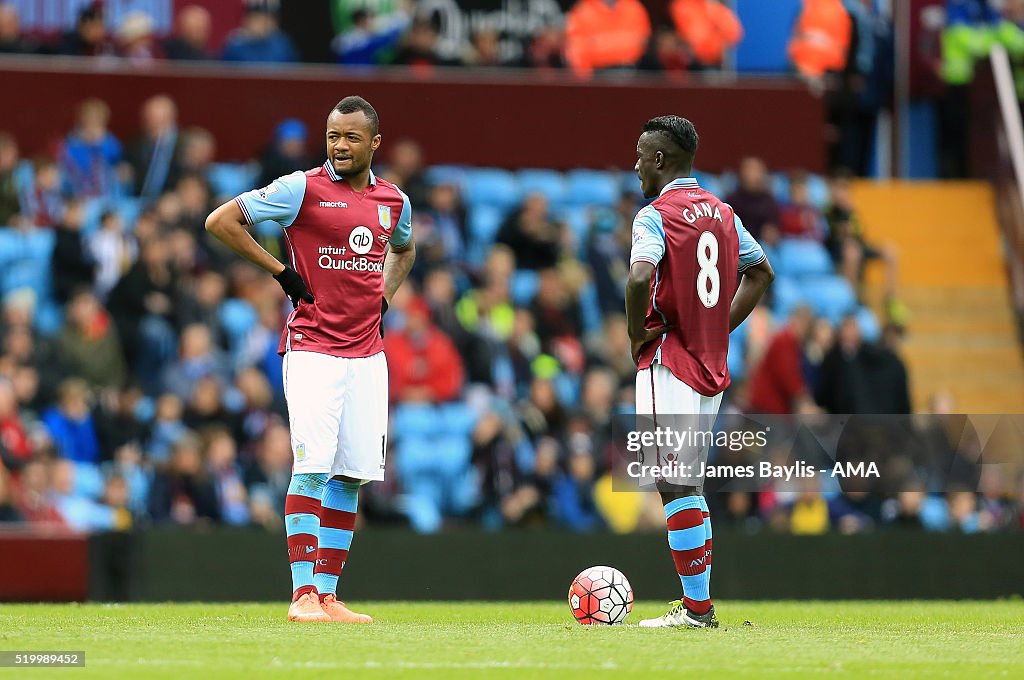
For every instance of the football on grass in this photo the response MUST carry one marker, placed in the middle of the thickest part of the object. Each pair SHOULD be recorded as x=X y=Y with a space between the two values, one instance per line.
x=600 y=595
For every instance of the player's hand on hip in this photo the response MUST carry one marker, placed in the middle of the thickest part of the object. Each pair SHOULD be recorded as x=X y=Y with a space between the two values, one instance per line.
x=637 y=344
x=293 y=285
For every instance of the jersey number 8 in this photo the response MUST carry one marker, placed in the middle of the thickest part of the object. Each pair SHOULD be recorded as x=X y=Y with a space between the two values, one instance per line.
x=708 y=282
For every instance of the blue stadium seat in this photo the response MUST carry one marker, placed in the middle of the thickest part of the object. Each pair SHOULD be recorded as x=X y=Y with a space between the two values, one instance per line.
x=549 y=183
x=446 y=174
x=830 y=297
x=709 y=182
x=450 y=455
x=92 y=209
x=457 y=418
x=49 y=318
x=780 y=187
x=491 y=186
x=594 y=187
x=415 y=421
x=484 y=223
x=578 y=220
x=231 y=179
x=10 y=245
x=523 y=286
x=870 y=329
x=737 y=361
x=802 y=257
x=728 y=181
x=630 y=184
x=39 y=244
x=128 y=209
x=237 y=317
x=817 y=188
x=786 y=294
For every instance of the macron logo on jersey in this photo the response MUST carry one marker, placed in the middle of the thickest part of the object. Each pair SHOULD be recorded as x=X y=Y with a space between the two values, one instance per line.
x=333 y=204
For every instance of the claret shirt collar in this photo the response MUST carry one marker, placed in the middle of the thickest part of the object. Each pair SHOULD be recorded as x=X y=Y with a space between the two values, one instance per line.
x=680 y=183
x=335 y=177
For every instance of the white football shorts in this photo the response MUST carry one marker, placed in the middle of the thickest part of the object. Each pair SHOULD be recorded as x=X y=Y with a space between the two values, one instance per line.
x=337 y=413
x=664 y=401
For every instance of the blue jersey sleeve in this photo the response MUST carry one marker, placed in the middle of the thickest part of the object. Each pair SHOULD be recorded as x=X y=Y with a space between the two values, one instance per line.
x=279 y=201
x=403 y=230
x=648 y=237
x=750 y=250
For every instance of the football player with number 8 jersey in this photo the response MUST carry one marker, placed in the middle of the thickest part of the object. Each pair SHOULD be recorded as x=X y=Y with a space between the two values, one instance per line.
x=695 y=275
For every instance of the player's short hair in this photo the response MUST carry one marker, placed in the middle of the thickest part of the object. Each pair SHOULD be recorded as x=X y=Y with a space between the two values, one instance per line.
x=355 y=103
x=678 y=130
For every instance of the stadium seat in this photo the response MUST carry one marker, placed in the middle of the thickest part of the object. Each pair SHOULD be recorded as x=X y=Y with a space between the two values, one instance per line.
x=709 y=182
x=830 y=297
x=484 y=223
x=231 y=179
x=445 y=174
x=10 y=245
x=547 y=182
x=457 y=419
x=491 y=187
x=630 y=184
x=128 y=209
x=870 y=329
x=780 y=187
x=817 y=188
x=39 y=244
x=594 y=187
x=49 y=318
x=523 y=286
x=415 y=421
x=92 y=209
x=786 y=294
x=237 y=317
x=578 y=220
x=801 y=258
x=737 y=361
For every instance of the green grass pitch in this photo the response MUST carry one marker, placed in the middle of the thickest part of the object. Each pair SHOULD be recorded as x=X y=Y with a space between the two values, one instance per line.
x=523 y=640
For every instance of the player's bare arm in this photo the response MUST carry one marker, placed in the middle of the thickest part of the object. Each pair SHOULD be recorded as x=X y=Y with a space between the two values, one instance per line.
x=753 y=285
x=397 y=266
x=228 y=225
x=638 y=294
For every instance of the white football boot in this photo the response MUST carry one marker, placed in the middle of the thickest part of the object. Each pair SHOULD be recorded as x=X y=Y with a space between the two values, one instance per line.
x=678 y=616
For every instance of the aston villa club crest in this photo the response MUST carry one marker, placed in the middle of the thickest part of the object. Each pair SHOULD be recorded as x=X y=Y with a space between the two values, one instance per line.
x=384 y=216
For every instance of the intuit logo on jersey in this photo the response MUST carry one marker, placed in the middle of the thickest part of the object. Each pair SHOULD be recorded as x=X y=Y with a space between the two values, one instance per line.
x=701 y=210
x=333 y=204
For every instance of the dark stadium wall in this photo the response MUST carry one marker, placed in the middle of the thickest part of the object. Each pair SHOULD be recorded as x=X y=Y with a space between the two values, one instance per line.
x=242 y=564
x=541 y=121
x=43 y=567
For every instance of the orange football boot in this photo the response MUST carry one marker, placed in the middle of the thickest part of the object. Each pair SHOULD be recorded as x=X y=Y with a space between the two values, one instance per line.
x=307 y=608
x=337 y=610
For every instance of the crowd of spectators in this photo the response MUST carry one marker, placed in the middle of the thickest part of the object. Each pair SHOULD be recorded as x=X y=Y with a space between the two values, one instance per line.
x=149 y=402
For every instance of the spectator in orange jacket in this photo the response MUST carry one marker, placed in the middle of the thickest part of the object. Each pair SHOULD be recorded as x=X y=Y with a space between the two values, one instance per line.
x=605 y=34
x=821 y=38
x=423 y=363
x=708 y=27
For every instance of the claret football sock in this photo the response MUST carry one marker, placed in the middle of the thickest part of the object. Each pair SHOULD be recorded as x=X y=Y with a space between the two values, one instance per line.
x=337 y=523
x=687 y=540
x=302 y=525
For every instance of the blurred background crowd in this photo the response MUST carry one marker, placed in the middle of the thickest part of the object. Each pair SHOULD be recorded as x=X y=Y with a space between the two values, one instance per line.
x=139 y=379
x=140 y=384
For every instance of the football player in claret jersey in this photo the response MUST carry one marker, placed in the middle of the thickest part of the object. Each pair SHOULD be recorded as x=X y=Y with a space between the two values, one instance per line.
x=695 y=274
x=350 y=247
